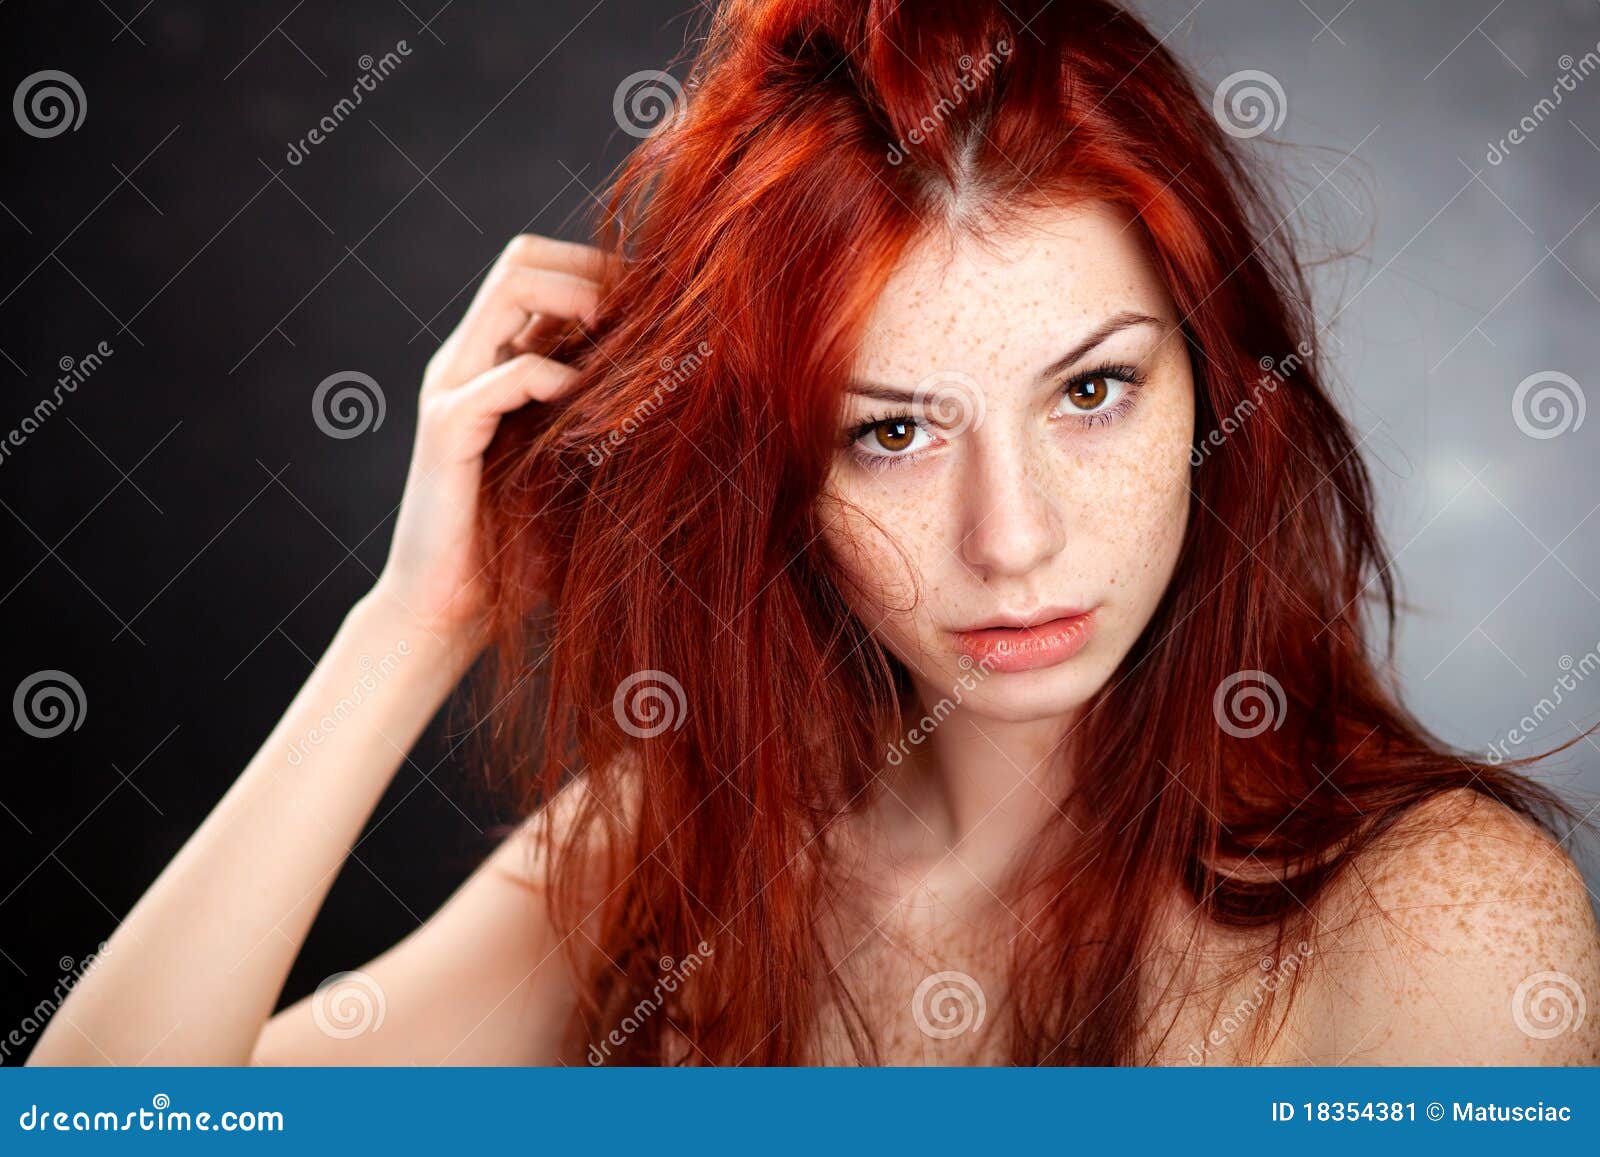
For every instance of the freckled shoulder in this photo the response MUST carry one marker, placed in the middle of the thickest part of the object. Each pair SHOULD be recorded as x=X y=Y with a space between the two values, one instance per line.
x=1464 y=936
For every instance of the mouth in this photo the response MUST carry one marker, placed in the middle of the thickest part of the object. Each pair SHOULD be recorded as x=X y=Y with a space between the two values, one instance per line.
x=1026 y=643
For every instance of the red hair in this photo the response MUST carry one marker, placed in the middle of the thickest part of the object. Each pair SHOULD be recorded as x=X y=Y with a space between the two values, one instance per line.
x=661 y=519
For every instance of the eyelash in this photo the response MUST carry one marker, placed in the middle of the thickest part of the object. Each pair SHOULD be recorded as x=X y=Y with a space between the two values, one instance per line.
x=1128 y=375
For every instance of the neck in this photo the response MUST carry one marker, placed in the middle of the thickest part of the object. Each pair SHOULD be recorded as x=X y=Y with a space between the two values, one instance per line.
x=978 y=787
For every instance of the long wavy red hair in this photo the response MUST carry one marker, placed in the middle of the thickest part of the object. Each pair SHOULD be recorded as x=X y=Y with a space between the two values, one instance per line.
x=660 y=523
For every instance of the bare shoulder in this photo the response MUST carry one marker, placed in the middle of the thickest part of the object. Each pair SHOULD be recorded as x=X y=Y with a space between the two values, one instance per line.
x=1465 y=935
x=527 y=856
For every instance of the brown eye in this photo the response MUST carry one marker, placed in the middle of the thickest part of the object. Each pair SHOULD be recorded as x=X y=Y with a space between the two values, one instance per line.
x=894 y=435
x=890 y=441
x=1099 y=396
x=1091 y=393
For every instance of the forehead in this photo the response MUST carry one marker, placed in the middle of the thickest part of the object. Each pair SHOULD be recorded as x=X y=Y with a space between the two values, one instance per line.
x=1011 y=301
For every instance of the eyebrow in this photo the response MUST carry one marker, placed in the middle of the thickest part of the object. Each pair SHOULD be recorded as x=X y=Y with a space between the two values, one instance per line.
x=1114 y=324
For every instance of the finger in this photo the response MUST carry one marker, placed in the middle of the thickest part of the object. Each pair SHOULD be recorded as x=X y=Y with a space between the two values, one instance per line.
x=513 y=384
x=534 y=251
x=543 y=333
x=522 y=290
x=505 y=305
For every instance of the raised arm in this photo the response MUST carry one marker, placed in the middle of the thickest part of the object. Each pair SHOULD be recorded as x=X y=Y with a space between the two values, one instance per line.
x=192 y=974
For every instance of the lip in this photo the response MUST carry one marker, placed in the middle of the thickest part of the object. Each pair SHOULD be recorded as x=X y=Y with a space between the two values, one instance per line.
x=1037 y=618
x=1026 y=643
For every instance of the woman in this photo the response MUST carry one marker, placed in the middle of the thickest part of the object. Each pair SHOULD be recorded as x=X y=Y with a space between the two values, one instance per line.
x=924 y=583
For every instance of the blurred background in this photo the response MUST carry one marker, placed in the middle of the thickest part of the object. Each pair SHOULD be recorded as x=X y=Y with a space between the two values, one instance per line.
x=185 y=263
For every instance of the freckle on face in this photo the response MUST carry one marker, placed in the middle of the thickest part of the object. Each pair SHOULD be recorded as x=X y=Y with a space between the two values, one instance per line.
x=1027 y=506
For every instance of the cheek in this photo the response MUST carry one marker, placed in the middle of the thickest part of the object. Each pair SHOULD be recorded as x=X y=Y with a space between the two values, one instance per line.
x=1138 y=522
x=858 y=539
x=883 y=547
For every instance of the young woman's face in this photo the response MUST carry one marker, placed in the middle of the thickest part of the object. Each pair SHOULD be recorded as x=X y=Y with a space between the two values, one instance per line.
x=1004 y=483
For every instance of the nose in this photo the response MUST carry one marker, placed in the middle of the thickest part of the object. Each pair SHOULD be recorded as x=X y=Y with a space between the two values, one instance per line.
x=1010 y=522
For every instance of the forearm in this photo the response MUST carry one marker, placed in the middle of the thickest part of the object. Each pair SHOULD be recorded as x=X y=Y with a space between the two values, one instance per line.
x=194 y=971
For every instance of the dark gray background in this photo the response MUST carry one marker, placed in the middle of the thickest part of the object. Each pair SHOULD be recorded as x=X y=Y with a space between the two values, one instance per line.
x=182 y=539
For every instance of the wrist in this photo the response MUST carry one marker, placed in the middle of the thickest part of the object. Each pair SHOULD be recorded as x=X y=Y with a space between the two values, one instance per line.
x=380 y=617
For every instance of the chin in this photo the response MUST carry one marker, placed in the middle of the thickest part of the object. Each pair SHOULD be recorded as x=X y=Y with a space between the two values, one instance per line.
x=1021 y=696
x=1030 y=696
